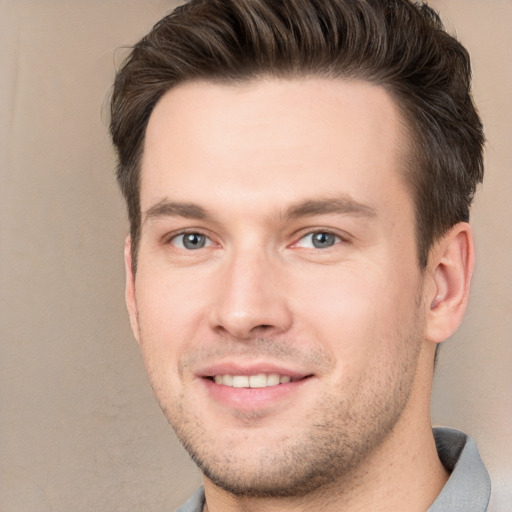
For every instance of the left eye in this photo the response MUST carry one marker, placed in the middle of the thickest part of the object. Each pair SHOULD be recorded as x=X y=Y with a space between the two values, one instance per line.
x=191 y=241
x=319 y=240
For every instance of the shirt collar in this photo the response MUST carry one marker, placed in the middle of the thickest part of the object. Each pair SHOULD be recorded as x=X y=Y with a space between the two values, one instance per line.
x=469 y=488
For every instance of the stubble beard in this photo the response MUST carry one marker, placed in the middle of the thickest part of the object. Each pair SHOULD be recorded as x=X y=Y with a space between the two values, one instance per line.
x=340 y=435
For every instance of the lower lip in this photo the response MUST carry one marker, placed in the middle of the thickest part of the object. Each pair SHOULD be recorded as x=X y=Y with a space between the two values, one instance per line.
x=249 y=399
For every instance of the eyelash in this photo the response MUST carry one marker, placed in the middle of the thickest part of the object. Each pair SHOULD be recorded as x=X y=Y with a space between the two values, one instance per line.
x=208 y=241
x=183 y=234
x=311 y=234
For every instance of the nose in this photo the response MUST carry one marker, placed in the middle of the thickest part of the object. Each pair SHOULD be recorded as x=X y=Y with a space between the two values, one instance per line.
x=251 y=299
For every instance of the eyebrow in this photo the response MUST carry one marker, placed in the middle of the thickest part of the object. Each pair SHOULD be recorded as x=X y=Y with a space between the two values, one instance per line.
x=338 y=204
x=307 y=208
x=167 y=208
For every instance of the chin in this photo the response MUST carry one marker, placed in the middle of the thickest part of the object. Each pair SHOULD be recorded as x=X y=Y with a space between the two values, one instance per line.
x=286 y=466
x=284 y=483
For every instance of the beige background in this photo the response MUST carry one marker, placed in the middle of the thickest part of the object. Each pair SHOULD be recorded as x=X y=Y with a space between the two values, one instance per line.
x=79 y=428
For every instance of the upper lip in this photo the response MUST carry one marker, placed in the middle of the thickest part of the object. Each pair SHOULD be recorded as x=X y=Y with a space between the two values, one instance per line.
x=231 y=368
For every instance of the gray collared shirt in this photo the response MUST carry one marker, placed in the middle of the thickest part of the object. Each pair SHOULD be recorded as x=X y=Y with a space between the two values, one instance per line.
x=468 y=489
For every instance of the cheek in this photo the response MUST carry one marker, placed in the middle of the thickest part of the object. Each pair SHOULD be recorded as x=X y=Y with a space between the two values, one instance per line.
x=168 y=299
x=357 y=314
x=348 y=298
x=169 y=316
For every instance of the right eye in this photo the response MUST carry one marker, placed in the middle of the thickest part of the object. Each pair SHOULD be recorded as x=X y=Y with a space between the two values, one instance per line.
x=319 y=240
x=191 y=241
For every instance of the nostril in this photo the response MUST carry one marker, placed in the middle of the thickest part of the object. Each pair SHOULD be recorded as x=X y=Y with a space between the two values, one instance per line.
x=244 y=315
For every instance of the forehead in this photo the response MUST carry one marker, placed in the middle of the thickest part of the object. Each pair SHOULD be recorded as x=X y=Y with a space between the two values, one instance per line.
x=272 y=140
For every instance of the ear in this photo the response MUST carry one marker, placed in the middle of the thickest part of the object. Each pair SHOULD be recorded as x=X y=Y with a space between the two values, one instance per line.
x=130 y=297
x=450 y=270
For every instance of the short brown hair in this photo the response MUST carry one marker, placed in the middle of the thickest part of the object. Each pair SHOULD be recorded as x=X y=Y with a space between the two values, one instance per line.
x=397 y=44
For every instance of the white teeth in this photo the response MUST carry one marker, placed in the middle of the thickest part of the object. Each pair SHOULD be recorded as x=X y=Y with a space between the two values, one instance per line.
x=260 y=380
x=240 y=381
x=273 y=379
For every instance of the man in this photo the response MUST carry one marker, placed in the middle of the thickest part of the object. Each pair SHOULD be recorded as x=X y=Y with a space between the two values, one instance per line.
x=298 y=176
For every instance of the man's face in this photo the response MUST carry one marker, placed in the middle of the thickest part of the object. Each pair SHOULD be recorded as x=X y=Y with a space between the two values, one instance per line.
x=278 y=299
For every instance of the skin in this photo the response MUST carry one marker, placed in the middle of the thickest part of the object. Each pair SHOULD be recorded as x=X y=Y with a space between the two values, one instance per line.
x=252 y=171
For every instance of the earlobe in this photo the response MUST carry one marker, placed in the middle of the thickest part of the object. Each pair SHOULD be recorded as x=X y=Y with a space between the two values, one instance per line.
x=451 y=267
x=130 y=297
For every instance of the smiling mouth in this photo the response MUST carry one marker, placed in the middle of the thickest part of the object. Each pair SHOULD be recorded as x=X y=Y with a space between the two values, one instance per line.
x=260 y=380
